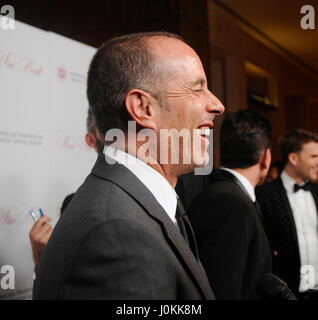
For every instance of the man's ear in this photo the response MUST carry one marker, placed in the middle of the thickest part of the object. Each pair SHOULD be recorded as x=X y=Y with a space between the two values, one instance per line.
x=266 y=159
x=293 y=158
x=90 y=140
x=141 y=108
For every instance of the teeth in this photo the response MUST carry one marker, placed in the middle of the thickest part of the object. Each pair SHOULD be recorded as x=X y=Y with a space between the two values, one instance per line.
x=204 y=131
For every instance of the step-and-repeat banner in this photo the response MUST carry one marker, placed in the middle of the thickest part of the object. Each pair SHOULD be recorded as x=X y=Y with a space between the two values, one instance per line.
x=43 y=155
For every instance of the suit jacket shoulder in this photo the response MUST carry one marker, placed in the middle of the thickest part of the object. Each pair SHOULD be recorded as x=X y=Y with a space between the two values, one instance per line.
x=114 y=241
x=231 y=240
x=270 y=189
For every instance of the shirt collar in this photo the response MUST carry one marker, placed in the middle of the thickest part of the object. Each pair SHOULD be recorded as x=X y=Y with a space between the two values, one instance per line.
x=152 y=179
x=288 y=182
x=245 y=182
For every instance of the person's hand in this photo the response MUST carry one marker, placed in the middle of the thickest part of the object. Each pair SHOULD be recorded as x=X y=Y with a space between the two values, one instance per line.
x=39 y=236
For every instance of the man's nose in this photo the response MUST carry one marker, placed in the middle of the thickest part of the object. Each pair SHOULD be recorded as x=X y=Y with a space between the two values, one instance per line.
x=214 y=105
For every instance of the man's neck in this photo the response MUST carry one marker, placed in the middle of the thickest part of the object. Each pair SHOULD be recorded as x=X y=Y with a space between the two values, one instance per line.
x=168 y=171
x=292 y=174
x=165 y=171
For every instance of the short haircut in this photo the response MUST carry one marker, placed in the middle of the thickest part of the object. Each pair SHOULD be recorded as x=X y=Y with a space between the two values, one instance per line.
x=119 y=65
x=92 y=128
x=293 y=141
x=245 y=135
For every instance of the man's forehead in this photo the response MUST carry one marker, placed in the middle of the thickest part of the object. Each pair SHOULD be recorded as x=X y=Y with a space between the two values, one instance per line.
x=180 y=59
x=310 y=146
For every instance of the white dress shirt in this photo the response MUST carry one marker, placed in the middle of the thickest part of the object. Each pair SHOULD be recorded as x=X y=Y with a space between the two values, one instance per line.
x=305 y=215
x=153 y=180
x=245 y=182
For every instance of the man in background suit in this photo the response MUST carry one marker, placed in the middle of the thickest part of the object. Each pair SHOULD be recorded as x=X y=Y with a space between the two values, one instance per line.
x=124 y=235
x=289 y=205
x=231 y=240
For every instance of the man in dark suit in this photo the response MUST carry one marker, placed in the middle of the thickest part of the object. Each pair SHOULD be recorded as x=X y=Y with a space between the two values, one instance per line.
x=232 y=244
x=289 y=205
x=124 y=235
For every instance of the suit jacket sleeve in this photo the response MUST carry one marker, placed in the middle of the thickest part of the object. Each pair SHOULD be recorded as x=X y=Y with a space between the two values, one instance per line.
x=119 y=250
x=227 y=226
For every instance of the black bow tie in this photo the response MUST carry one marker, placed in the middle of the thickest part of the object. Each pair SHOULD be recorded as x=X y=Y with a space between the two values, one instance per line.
x=306 y=187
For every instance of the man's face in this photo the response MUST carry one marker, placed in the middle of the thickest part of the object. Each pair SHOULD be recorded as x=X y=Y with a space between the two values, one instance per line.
x=306 y=162
x=188 y=104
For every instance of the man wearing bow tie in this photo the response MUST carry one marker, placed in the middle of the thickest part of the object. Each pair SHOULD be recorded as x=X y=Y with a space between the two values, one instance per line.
x=289 y=205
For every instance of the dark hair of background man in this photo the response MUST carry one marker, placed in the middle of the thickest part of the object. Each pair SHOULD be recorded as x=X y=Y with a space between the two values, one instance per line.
x=244 y=136
x=293 y=142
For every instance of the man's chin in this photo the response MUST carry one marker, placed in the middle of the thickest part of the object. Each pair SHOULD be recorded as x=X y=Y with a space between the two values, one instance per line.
x=313 y=178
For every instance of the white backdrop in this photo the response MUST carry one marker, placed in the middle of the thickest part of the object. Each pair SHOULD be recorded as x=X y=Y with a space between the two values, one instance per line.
x=43 y=155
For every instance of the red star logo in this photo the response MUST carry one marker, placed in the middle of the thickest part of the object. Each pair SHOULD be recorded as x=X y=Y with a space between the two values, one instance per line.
x=61 y=72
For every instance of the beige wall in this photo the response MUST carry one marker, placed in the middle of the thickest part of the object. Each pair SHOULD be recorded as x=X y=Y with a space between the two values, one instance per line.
x=231 y=44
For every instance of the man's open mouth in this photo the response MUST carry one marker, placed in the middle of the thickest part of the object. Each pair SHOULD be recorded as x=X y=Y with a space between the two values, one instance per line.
x=204 y=131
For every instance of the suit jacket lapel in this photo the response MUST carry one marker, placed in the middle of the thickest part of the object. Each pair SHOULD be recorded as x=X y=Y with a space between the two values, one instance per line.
x=315 y=196
x=288 y=211
x=126 y=180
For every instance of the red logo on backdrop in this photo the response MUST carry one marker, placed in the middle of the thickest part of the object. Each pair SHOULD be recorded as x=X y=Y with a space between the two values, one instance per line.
x=21 y=62
x=61 y=72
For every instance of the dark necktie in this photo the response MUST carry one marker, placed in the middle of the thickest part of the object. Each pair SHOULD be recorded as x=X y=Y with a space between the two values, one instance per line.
x=306 y=187
x=186 y=228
